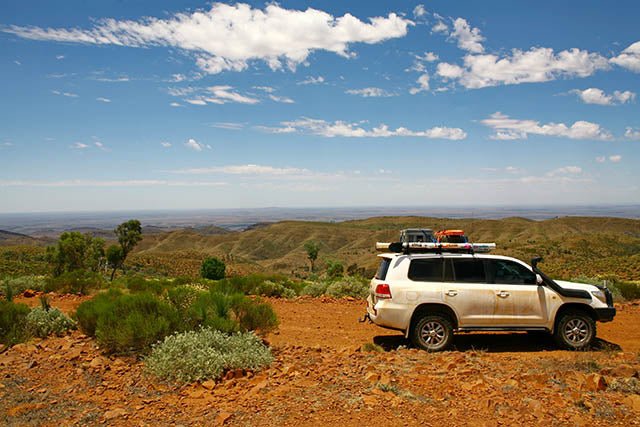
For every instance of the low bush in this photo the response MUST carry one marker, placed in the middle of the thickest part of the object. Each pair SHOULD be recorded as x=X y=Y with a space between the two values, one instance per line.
x=334 y=269
x=90 y=311
x=137 y=283
x=212 y=268
x=17 y=285
x=77 y=282
x=205 y=354
x=134 y=322
x=348 y=287
x=255 y=316
x=260 y=284
x=315 y=288
x=41 y=322
x=13 y=323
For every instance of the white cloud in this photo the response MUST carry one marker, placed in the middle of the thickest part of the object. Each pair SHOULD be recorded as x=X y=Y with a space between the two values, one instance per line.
x=419 y=11
x=369 y=92
x=282 y=99
x=419 y=62
x=440 y=27
x=212 y=95
x=59 y=57
x=597 y=96
x=267 y=89
x=100 y=145
x=353 y=130
x=121 y=79
x=312 y=80
x=79 y=146
x=601 y=159
x=165 y=144
x=175 y=104
x=228 y=125
x=507 y=128
x=535 y=65
x=423 y=84
x=192 y=144
x=566 y=170
x=177 y=78
x=632 y=133
x=616 y=158
x=101 y=99
x=17 y=62
x=629 y=58
x=228 y=37
x=468 y=38
x=249 y=169
x=429 y=57
x=67 y=94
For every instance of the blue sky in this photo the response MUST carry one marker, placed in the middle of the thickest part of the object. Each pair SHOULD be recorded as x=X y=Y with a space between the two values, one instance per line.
x=177 y=105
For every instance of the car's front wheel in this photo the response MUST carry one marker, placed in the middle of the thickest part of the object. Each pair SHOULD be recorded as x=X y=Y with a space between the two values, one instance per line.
x=576 y=330
x=432 y=332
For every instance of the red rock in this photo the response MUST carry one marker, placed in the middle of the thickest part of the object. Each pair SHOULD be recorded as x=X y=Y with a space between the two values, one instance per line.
x=28 y=293
x=626 y=371
x=222 y=418
x=633 y=402
x=114 y=413
x=209 y=384
x=595 y=382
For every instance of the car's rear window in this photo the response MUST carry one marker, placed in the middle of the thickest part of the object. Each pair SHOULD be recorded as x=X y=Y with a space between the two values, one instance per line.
x=469 y=270
x=381 y=274
x=426 y=270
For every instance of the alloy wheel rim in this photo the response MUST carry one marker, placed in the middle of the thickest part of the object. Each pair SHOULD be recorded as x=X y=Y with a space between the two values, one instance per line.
x=576 y=331
x=433 y=334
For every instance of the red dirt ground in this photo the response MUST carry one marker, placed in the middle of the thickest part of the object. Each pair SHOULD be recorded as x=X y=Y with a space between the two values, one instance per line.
x=323 y=376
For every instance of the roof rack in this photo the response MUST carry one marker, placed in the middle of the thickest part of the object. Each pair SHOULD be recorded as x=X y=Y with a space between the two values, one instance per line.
x=429 y=247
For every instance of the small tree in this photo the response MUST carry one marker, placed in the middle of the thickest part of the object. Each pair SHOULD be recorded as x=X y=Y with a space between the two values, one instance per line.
x=115 y=259
x=212 y=268
x=129 y=234
x=312 y=249
x=75 y=251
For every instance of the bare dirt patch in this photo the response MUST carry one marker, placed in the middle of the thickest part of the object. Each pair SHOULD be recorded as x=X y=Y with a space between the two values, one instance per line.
x=322 y=376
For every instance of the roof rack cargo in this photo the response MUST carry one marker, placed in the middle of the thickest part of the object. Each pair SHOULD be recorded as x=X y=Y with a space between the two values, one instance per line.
x=423 y=240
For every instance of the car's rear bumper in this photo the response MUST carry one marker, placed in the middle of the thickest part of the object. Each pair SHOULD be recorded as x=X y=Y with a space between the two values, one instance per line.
x=605 y=314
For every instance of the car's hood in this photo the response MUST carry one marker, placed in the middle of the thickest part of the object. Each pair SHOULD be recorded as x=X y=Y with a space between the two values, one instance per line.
x=574 y=285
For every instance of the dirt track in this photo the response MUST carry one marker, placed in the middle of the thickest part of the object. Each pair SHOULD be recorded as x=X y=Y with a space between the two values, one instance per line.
x=322 y=377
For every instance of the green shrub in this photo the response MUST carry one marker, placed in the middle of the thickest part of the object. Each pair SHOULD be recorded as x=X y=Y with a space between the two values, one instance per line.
x=205 y=354
x=13 y=323
x=213 y=310
x=134 y=322
x=17 y=285
x=315 y=289
x=212 y=268
x=140 y=284
x=41 y=323
x=334 y=269
x=348 y=287
x=90 y=311
x=78 y=281
x=259 y=284
x=255 y=316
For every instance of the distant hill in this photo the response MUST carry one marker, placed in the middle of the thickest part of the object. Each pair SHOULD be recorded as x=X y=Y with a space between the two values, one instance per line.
x=571 y=245
x=11 y=238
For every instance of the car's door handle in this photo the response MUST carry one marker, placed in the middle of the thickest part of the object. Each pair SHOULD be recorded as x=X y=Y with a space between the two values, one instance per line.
x=503 y=294
x=452 y=293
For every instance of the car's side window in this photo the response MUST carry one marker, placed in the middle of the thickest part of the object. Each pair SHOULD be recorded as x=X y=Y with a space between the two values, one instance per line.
x=509 y=272
x=426 y=270
x=469 y=270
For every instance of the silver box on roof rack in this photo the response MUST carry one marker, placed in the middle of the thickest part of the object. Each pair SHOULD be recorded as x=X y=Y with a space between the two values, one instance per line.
x=410 y=235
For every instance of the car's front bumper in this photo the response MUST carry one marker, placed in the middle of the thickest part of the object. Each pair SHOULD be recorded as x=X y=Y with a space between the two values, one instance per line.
x=605 y=314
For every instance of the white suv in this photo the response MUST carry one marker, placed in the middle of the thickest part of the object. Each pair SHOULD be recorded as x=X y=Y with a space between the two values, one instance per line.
x=429 y=296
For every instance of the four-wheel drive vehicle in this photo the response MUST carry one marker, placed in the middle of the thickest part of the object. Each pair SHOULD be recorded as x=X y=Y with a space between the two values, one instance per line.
x=428 y=296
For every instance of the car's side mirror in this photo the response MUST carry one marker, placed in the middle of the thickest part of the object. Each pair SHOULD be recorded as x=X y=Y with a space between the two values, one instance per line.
x=539 y=280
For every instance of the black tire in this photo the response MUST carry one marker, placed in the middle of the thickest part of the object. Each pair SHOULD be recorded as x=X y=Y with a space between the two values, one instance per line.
x=575 y=330
x=432 y=332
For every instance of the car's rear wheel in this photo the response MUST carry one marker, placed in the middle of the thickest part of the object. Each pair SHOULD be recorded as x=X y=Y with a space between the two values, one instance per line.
x=576 y=330
x=432 y=332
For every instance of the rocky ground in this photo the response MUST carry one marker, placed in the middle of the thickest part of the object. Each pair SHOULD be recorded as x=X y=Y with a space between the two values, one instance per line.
x=327 y=372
